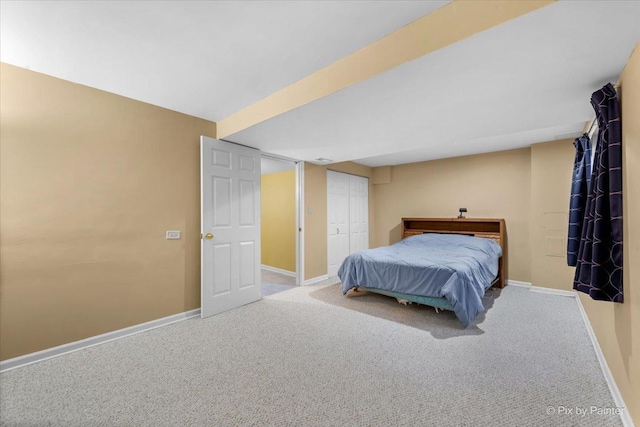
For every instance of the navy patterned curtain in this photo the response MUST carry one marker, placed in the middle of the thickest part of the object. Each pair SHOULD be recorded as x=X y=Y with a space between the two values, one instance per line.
x=578 y=201
x=599 y=267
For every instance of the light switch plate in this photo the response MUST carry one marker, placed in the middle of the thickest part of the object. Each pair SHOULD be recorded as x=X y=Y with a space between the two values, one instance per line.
x=173 y=235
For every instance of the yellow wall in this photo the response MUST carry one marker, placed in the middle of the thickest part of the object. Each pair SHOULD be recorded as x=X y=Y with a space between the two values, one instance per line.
x=494 y=185
x=315 y=215
x=90 y=182
x=278 y=220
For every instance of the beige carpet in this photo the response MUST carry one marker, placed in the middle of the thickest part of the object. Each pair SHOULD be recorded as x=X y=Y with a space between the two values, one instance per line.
x=311 y=357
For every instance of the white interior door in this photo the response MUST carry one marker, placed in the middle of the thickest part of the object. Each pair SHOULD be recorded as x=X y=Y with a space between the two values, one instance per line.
x=337 y=220
x=358 y=213
x=230 y=225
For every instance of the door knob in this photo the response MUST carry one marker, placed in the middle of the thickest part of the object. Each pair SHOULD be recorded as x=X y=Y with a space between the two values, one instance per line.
x=337 y=231
x=208 y=236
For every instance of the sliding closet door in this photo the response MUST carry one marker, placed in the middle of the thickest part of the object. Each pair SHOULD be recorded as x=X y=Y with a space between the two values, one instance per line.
x=337 y=220
x=358 y=213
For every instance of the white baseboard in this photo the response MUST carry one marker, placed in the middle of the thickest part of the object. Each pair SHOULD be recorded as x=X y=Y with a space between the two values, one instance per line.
x=49 y=353
x=518 y=283
x=279 y=270
x=315 y=280
x=541 y=289
x=613 y=387
x=611 y=382
x=560 y=292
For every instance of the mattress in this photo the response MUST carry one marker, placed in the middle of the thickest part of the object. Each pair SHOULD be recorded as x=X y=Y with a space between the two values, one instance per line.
x=456 y=267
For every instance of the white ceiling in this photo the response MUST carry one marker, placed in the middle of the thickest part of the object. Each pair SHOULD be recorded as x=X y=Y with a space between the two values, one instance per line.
x=528 y=80
x=208 y=59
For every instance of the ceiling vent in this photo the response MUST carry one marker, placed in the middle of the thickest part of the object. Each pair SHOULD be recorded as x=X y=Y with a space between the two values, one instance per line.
x=323 y=160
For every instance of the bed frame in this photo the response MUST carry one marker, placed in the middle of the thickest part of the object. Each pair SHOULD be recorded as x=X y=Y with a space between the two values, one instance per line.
x=488 y=228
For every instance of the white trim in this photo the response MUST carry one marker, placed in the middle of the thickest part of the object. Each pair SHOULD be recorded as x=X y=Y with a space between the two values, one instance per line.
x=518 y=283
x=608 y=376
x=540 y=289
x=315 y=280
x=300 y=218
x=202 y=261
x=560 y=292
x=39 y=356
x=278 y=270
x=271 y=156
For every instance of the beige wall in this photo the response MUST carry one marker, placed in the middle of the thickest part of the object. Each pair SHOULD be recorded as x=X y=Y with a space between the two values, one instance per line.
x=278 y=220
x=315 y=215
x=551 y=169
x=494 y=185
x=90 y=182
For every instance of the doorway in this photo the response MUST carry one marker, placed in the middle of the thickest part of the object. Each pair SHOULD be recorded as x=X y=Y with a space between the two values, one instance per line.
x=280 y=228
x=230 y=207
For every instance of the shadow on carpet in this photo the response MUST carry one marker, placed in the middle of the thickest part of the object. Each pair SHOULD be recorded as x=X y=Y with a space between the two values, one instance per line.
x=442 y=325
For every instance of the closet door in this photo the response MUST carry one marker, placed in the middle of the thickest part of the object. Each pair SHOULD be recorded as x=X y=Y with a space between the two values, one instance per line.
x=358 y=213
x=337 y=220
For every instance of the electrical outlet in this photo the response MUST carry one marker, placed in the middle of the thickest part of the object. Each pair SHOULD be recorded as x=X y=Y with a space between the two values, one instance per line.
x=173 y=235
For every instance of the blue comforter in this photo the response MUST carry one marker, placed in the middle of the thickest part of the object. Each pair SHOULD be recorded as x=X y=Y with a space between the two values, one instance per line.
x=456 y=267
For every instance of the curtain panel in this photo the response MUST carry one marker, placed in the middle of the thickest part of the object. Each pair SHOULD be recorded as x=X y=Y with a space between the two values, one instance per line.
x=578 y=201
x=599 y=264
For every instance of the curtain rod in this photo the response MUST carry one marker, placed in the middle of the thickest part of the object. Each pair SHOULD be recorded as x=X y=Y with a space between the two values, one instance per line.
x=589 y=126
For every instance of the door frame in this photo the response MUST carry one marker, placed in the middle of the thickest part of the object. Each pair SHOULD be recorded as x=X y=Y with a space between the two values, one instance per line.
x=299 y=168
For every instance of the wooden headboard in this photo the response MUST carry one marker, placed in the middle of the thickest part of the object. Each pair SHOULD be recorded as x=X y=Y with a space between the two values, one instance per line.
x=488 y=228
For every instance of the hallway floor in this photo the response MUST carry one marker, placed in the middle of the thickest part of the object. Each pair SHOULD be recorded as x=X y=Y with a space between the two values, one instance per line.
x=273 y=282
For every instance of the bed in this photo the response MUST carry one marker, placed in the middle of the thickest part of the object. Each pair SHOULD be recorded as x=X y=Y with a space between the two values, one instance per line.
x=444 y=263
